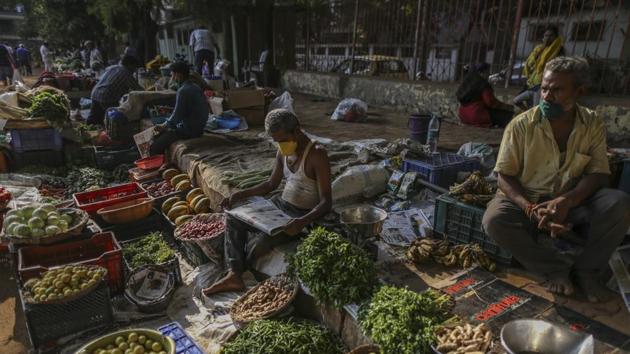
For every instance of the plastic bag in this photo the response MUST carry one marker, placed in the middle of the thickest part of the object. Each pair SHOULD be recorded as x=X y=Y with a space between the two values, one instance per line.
x=17 y=77
x=350 y=110
x=359 y=181
x=284 y=101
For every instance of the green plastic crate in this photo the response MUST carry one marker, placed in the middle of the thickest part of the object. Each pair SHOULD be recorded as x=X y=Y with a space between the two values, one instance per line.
x=461 y=223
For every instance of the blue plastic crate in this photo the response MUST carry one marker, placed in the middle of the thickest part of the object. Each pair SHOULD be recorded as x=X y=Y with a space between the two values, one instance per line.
x=461 y=223
x=624 y=181
x=24 y=140
x=183 y=343
x=441 y=169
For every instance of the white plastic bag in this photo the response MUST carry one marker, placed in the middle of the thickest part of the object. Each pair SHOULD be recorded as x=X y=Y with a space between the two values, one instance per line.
x=350 y=110
x=17 y=77
x=359 y=181
x=283 y=101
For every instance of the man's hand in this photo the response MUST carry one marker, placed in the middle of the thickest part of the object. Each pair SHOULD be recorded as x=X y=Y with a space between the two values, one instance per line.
x=551 y=215
x=294 y=227
x=160 y=127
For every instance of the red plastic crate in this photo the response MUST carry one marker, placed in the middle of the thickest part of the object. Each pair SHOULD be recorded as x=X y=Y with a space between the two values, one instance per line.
x=150 y=163
x=101 y=250
x=104 y=197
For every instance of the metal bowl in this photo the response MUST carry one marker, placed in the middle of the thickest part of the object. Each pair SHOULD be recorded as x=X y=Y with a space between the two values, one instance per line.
x=542 y=337
x=364 y=219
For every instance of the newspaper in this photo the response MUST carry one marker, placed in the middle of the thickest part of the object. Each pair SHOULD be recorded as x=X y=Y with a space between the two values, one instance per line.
x=263 y=215
x=402 y=227
x=154 y=285
x=143 y=141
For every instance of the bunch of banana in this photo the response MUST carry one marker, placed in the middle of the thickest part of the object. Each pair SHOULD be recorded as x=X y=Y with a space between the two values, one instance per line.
x=474 y=190
x=483 y=260
x=447 y=257
x=420 y=250
x=465 y=255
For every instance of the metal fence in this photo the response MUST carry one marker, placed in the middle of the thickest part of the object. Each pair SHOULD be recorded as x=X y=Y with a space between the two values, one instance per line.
x=434 y=40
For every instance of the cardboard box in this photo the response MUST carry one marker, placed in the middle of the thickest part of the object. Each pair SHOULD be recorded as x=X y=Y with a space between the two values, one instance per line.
x=255 y=116
x=245 y=98
x=215 y=85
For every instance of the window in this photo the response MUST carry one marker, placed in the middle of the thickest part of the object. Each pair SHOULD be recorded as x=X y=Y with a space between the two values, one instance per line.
x=581 y=32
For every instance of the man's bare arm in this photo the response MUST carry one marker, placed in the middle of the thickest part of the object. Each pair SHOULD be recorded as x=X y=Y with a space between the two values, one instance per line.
x=513 y=189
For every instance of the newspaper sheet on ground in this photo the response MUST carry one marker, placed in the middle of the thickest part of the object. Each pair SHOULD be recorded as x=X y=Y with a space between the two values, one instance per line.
x=402 y=227
x=263 y=215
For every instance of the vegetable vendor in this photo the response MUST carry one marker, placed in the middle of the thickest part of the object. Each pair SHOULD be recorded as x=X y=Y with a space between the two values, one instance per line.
x=552 y=172
x=116 y=81
x=306 y=197
x=189 y=116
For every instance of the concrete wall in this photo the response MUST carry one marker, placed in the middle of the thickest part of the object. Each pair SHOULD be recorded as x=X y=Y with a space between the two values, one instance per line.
x=409 y=96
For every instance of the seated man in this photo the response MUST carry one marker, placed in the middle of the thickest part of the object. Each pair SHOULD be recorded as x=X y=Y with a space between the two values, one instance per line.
x=552 y=172
x=189 y=116
x=116 y=81
x=306 y=197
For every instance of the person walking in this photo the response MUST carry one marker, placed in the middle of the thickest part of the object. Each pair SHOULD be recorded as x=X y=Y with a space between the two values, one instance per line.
x=23 y=58
x=204 y=46
x=46 y=54
x=6 y=65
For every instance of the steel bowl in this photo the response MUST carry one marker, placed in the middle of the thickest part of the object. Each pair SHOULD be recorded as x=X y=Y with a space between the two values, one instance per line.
x=363 y=219
x=542 y=337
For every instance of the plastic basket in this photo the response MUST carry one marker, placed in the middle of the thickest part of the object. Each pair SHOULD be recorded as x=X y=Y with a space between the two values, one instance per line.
x=173 y=264
x=104 y=197
x=441 y=168
x=109 y=158
x=461 y=223
x=50 y=158
x=23 y=140
x=48 y=322
x=79 y=155
x=101 y=250
x=132 y=230
x=183 y=343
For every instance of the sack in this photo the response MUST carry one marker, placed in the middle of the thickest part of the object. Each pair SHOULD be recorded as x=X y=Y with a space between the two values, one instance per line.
x=284 y=101
x=350 y=110
x=359 y=181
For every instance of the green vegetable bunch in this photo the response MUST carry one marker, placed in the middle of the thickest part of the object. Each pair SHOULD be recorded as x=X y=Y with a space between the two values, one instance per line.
x=80 y=179
x=336 y=272
x=150 y=249
x=284 y=337
x=401 y=321
x=54 y=107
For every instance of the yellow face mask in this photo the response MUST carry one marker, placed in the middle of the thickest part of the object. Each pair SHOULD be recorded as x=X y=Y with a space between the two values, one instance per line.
x=287 y=148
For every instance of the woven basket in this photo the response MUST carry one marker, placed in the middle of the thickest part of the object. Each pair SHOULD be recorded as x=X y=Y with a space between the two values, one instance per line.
x=28 y=297
x=207 y=244
x=79 y=219
x=263 y=315
x=366 y=349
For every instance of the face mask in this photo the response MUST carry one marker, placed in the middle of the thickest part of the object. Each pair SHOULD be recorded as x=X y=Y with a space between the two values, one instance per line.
x=550 y=110
x=287 y=148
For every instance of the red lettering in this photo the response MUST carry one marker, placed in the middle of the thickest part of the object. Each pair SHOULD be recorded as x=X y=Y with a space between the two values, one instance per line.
x=497 y=308
x=457 y=287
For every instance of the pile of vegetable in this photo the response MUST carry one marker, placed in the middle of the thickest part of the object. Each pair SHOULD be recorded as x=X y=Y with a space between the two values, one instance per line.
x=121 y=173
x=133 y=344
x=244 y=180
x=463 y=339
x=52 y=106
x=263 y=300
x=335 y=271
x=179 y=211
x=201 y=227
x=401 y=321
x=30 y=221
x=60 y=283
x=179 y=181
x=86 y=178
x=158 y=189
x=283 y=336
x=150 y=249
x=422 y=250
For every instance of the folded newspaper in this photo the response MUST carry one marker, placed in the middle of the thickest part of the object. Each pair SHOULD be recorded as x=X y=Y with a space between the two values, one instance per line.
x=143 y=141
x=620 y=264
x=263 y=215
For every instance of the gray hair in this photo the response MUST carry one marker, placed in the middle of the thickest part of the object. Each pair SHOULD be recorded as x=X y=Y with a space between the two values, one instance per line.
x=577 y=66
x=281 y=120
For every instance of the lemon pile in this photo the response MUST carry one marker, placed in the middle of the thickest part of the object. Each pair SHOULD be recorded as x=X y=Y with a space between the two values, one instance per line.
x=60 y=283
x=133 y=344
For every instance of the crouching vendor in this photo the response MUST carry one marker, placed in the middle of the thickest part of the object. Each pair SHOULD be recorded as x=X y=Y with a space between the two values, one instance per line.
x=552 y=210
x=189 y=116
x=306 y=197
